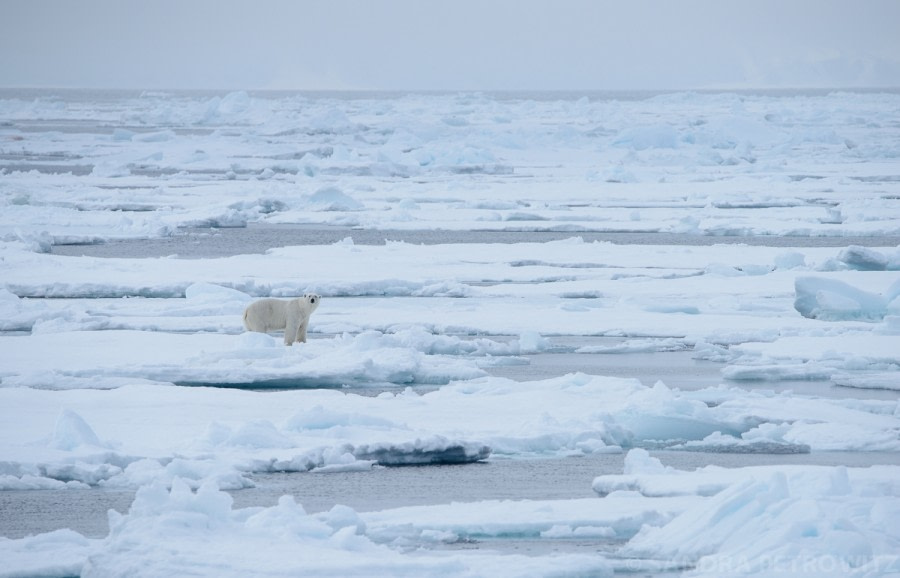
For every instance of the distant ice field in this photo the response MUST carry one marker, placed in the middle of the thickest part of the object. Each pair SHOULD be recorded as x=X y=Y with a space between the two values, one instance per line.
x=142 y=165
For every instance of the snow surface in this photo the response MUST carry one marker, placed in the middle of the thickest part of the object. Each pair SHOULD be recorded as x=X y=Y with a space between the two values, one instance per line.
x=112 y=370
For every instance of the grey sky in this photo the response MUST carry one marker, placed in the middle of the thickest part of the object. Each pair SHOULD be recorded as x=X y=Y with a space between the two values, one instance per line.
x=442 y=44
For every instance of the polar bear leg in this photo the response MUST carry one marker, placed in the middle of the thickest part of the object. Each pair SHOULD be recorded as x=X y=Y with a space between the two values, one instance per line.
x=291 y=327
x=297 y=318
x=301 y=332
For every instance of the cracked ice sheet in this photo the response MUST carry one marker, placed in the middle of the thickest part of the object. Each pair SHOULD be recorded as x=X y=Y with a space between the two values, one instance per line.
x=711 y=521
x=105 y=359
x=402 y=269
x=851 y=358
x=574 y=288
x=139 y=433
x=278 y=541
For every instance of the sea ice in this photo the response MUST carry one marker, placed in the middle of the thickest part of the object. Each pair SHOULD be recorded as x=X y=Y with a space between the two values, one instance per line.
x=106 y=364
x=753 y=520
x=114 y=437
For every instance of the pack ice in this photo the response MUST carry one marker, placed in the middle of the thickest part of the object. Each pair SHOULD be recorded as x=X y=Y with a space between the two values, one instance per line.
x=133 y=373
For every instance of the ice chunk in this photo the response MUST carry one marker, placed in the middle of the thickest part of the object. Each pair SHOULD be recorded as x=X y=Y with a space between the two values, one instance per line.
x=563 y=531
x=717 y=442
x=57 y=553
x=258 y=434
x=320 y=418
x=639 y=461
x=833 y=300
x=641 y=345
x=155 y=137
x=863 y=258
x=341 y=459
x=869 y=380
x=30 y=482
x=209 y=292
x=532 y=342
x=890 y=325
x=341 y=516
x=790 y=260
x=332 y=199
x=72 y=431
x=435 y=450
x=661 y=136
x=233 y=104
x=122 y=134
x=290 y=517
x=253 y=340
x=615 y=174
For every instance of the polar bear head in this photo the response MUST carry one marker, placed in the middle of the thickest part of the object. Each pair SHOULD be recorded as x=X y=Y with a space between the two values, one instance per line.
x=310 y=301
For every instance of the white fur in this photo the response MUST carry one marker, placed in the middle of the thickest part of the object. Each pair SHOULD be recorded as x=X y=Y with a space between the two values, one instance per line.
x=273 y=314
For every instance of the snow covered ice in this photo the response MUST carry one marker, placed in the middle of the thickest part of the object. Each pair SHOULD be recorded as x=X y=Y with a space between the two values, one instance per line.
x=134 y=373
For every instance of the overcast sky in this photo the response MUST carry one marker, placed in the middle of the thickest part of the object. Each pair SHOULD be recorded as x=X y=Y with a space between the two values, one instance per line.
x=449 y=44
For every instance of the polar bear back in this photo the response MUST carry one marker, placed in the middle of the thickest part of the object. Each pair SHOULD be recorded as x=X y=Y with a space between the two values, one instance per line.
x=266 y=315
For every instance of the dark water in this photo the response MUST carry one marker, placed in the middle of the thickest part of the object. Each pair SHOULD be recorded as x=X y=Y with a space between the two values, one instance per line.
x=259 y=238
x=677 y=369
x=25 y=513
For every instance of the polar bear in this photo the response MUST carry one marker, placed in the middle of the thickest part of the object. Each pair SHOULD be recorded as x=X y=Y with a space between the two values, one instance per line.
x=292 y=315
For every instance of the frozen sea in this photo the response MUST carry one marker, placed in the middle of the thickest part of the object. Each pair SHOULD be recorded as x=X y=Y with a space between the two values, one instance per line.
x=560 y=334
